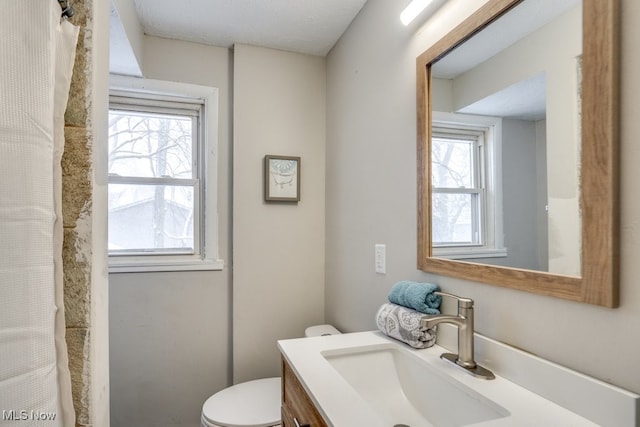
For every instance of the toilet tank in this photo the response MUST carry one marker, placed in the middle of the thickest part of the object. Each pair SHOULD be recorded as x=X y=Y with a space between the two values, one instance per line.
x=320 y=330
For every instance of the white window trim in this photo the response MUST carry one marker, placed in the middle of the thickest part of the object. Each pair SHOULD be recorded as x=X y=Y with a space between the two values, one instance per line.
x=494 y=245
x=209 y=258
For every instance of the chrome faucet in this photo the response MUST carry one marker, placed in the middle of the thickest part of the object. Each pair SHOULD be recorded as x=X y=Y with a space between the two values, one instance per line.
x=464 y=321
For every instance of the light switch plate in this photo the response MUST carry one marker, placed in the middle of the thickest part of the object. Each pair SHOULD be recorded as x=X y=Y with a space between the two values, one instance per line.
x=381 y=258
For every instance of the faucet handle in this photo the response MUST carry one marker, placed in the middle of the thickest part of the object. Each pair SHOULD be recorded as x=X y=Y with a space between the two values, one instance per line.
x=462 y=302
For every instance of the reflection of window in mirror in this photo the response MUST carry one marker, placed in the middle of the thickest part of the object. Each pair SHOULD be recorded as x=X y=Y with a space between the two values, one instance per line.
x=561 y=221
x=466 y=180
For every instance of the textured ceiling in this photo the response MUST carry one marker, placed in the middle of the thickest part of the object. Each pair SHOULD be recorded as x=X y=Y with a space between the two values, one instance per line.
x=306 y=26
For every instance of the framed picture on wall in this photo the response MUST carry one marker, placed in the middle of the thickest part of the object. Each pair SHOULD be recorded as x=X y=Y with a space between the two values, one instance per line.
x=281 y=178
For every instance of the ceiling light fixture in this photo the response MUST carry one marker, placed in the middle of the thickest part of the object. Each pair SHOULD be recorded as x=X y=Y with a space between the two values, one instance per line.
x=413 y=10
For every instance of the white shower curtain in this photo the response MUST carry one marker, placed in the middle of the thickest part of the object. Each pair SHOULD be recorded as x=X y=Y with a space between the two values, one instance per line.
x=37 y=52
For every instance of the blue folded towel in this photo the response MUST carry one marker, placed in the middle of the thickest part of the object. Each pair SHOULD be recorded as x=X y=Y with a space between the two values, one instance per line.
x=418 y=296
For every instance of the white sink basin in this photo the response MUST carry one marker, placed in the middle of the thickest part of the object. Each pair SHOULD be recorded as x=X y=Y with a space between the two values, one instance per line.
x=368 y=379
x=405 y=391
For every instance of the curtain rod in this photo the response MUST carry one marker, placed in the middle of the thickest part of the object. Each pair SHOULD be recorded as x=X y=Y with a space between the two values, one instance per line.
x=67 y=10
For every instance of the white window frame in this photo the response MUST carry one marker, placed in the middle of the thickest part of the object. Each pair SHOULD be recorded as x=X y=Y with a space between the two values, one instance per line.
x=146 y=91
x=490 y=182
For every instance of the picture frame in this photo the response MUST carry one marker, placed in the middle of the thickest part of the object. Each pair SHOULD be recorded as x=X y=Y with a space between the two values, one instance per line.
x=281 y=178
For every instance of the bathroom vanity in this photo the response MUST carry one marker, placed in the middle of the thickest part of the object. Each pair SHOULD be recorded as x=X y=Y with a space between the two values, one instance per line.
x=298 y=409
x=369 y=379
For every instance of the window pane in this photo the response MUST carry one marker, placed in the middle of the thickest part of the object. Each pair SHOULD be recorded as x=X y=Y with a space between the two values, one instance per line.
x=150 y=145
x=453 y=220
x=452 y=163
x=151 y=217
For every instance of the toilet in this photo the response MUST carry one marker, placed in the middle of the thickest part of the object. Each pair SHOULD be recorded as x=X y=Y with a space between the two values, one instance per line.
x=252 y=403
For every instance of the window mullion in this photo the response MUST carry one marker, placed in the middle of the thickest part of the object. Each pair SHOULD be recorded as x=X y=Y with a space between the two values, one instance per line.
x=445 y=190
x=183 y=182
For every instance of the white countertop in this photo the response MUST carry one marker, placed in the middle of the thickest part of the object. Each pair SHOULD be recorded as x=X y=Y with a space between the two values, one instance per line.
x=341 y=406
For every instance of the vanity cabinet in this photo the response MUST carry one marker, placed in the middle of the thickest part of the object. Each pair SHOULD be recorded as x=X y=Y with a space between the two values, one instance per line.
x=297 y=408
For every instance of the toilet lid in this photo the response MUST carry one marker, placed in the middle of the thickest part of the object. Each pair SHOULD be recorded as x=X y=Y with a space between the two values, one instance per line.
x=254 y=403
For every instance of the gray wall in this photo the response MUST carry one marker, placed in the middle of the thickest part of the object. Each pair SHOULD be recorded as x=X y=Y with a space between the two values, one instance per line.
x=176 y=338
x=371 y=198
x=278 y=249
x=520 y=184
x=170 y=332
x=520 y=196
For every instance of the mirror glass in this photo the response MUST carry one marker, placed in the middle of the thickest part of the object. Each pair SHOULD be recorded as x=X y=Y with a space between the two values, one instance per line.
x=505 y=142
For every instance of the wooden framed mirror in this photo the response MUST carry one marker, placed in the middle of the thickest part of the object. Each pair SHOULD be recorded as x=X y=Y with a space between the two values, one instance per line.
x=596 y=279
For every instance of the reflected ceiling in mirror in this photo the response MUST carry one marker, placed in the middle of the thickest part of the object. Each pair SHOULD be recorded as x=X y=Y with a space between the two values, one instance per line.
x=472 y=72
x=523 y=72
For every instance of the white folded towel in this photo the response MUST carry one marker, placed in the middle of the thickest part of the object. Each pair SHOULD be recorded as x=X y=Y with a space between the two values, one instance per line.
x=404 y=324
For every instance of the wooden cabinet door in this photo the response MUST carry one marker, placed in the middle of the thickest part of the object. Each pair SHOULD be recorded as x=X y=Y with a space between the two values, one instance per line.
x=297 y=408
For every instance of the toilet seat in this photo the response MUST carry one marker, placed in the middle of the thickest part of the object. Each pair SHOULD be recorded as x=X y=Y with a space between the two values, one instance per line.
x=250 y=404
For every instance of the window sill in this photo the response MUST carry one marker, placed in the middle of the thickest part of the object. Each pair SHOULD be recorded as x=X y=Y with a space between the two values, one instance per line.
x=129 y=266
x=466 y=253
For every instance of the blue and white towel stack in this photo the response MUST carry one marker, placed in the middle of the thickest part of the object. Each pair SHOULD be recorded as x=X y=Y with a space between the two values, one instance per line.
x=401 y=318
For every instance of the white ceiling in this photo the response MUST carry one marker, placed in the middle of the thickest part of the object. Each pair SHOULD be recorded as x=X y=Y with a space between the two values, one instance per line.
x=305 y=26
x=525 y=100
